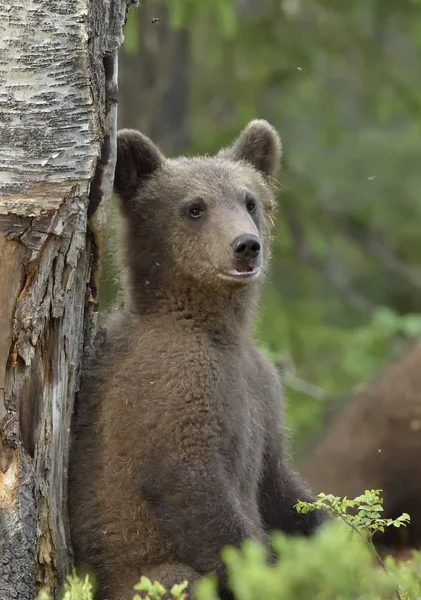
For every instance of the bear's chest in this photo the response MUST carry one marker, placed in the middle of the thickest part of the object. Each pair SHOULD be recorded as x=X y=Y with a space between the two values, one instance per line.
x=241 y=418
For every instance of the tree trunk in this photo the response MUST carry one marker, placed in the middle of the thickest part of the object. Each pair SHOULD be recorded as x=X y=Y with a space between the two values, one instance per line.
x=58 y=84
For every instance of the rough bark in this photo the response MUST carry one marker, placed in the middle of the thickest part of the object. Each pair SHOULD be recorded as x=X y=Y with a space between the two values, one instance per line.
x=58 y=70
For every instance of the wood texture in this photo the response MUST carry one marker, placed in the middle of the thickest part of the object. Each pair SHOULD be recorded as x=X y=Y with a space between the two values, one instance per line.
x=58 y=85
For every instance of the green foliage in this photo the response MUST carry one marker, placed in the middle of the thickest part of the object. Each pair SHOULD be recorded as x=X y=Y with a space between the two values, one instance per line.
x=155 y=591
x=131 y=33
x=337 y=563
x=221 y=13
x=366 y=515
x=74 y=589
x=406 y=576
x=334 y=564
x=321 y=361
x=183 y=14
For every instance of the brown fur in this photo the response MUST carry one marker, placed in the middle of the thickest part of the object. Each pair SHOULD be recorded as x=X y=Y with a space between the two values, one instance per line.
x=375 y=443
x=180 y=443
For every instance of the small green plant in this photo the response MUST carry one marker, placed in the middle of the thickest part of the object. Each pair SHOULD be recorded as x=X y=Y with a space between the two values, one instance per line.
x=74 y=589
x=365 y=517
x=155 y=591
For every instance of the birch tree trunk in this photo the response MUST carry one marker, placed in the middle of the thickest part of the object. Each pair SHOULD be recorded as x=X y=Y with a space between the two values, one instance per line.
x=58 y=84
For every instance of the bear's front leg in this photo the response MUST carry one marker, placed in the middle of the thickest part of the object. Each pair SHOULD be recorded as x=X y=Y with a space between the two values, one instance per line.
x=281 y=488
x=196 y=507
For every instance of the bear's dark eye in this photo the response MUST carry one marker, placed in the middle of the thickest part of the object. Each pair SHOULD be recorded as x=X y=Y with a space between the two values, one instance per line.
x=195 y=210
x=251 y=204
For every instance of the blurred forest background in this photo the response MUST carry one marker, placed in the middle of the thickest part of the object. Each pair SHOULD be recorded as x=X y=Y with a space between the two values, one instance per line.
x=341 y=81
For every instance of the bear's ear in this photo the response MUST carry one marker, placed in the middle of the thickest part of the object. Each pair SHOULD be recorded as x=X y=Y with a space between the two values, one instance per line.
x=258 y=144
x=137 y=159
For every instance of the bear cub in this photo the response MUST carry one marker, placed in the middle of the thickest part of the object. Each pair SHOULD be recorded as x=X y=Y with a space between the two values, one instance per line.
x=180 y=446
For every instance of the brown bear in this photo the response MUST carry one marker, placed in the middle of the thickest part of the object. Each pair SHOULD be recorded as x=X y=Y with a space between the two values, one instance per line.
x=179 y=438
x=375 y=443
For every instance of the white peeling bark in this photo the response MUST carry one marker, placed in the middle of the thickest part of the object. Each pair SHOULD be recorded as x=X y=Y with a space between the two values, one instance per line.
x=58 y=84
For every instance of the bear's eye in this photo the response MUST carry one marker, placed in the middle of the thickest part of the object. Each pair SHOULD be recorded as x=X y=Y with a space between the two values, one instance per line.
x=251 y=204
x=196 y=210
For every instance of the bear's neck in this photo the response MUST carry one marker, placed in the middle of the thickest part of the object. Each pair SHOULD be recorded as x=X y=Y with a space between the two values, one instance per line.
x=219 y=311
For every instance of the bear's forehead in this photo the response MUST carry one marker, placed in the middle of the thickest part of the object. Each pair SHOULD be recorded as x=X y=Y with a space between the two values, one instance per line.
x=209 y=174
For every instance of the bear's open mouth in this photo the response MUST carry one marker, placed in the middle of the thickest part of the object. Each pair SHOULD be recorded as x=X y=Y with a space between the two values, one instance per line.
x=245 y=269
x=243 y=272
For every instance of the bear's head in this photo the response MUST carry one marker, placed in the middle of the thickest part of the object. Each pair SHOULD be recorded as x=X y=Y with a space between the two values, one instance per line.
x=197 y=223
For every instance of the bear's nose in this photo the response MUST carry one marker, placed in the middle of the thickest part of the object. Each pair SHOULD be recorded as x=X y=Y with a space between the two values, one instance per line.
x=246 y=246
